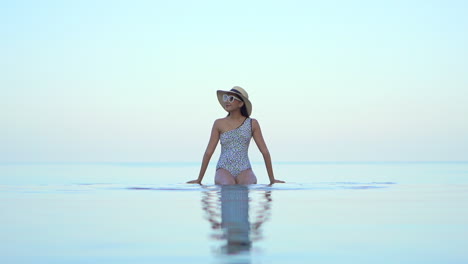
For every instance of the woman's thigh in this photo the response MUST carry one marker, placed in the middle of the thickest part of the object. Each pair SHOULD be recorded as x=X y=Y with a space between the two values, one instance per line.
x=246 y=177
x=224 y=177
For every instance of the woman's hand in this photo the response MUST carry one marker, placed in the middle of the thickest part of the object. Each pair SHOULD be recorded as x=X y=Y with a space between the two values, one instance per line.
x=276 y=181
x=197 y=181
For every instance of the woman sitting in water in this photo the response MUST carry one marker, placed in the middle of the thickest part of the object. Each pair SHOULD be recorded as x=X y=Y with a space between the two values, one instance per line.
x=235 y=132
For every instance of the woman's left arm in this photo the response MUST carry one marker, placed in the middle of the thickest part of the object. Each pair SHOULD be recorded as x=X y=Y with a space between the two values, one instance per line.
x=258 y=137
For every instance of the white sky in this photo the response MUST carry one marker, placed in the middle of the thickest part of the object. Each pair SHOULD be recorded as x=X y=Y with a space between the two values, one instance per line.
x=136 y=80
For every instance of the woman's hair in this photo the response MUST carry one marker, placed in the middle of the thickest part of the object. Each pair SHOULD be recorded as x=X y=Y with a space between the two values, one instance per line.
x=243 y=109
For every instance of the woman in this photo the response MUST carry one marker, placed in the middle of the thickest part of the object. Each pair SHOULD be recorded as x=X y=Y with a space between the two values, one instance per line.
x=235 y=132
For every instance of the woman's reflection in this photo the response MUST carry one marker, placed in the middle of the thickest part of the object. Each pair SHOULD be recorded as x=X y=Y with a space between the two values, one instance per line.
x=228 y=207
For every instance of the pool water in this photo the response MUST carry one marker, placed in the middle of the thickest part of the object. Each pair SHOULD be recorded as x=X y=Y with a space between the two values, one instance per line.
x=145 y=213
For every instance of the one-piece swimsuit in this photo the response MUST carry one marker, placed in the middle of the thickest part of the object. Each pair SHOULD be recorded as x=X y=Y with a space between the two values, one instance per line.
x=234 y=149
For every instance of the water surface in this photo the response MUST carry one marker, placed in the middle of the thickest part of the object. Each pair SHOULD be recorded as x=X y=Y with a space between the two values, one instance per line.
x=144 y=213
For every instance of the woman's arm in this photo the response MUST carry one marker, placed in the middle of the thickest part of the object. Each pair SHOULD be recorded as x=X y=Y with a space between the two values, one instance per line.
x=214 y=138
x=258 y=137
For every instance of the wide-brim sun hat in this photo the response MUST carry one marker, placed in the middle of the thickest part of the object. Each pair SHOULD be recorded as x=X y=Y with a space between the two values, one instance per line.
x=240 y=92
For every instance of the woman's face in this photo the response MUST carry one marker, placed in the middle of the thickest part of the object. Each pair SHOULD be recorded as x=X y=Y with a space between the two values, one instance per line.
x=234 y=104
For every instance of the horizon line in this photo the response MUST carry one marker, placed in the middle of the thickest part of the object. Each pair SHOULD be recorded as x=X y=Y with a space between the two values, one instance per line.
x=191 y=163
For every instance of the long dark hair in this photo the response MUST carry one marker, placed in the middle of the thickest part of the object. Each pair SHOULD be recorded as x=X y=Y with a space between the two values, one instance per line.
x=243 y=109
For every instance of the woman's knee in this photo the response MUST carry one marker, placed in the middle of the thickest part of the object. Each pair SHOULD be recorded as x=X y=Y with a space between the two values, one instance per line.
x=246 y=177
x=225 y=181
x=246 y=181
x=223 y=177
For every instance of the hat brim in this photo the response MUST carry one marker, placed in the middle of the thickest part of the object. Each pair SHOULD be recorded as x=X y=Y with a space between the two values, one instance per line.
x=248 y=104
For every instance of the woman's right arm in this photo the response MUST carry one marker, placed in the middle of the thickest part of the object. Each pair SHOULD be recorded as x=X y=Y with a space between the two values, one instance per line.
x=210 y=149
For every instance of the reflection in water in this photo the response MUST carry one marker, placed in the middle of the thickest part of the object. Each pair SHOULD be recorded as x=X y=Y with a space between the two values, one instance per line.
x=236 y=216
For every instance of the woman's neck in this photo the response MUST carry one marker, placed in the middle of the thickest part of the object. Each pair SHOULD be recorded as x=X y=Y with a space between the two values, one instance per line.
x=236 y=115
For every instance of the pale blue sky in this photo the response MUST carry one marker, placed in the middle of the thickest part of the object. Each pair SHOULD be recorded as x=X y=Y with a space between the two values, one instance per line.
x=329 y=80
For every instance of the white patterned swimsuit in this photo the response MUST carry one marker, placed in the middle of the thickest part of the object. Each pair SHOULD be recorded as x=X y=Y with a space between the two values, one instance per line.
x=234 y=149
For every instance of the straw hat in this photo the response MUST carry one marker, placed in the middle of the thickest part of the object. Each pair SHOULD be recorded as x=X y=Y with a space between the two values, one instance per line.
x=240 y=92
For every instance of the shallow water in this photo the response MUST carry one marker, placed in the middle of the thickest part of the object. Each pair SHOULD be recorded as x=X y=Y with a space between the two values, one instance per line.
x=144 y=213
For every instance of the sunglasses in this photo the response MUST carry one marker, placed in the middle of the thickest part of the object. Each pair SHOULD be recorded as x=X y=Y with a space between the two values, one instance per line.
x=230 y=98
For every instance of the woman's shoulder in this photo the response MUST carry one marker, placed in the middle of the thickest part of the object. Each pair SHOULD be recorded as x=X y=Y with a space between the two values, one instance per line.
x=220 y=120
x=254 y=123
x=254 y=120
